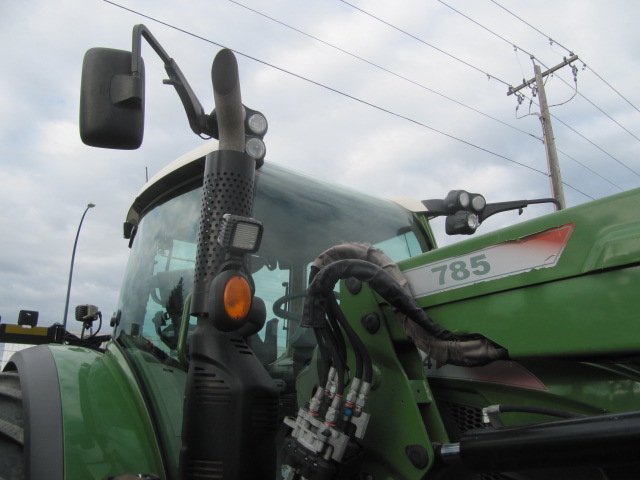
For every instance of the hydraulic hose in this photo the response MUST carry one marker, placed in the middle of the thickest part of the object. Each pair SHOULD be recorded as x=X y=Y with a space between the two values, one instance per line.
x=378 y=280
x=371 y=265
x=364 y=367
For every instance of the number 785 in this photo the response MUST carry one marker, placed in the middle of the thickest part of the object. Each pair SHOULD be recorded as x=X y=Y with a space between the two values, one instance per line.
x=458 y=270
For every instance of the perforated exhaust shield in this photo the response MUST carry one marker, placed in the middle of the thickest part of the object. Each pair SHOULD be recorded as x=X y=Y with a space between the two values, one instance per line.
x=227 y=188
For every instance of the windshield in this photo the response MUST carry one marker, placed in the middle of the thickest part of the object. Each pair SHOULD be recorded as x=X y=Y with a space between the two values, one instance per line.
x=302 y=217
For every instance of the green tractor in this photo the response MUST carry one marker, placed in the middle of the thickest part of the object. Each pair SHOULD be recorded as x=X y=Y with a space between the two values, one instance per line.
x=274 y=326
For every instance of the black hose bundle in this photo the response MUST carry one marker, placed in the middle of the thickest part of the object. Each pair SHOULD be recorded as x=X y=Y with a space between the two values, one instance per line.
x=369 y=264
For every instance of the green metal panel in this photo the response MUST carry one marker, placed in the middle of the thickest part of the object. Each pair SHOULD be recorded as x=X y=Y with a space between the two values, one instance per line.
x=163 y=385
x=606 y=235
x=583 y=301
x=583 y=316
x=583 y=388
x=401 y=405
x=107 y=429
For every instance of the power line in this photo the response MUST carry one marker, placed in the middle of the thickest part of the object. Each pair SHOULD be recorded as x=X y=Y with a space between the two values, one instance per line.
x=527 y=23
x=595 y=145
x=533 y=57
x=565 y=124
x=605 y=113
x=386 y=70
x=579 y=191
x=416 y=83
x=577 y=161
x=591 y=170
x=364 y=102
x=611 y=87
x=466 y=63
x=488 y=75
x=553 y=41
x=586 y=139
x=571 y=53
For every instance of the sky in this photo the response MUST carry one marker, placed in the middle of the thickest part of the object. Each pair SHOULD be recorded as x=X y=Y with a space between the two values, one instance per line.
x=404 y=98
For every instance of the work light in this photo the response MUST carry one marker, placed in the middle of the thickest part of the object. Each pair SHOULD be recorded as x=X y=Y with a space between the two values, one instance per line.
x=478 y=202
x=240 y=234
x=456 y=200
x=461 y=223
x=256 y=123
x=255 y=148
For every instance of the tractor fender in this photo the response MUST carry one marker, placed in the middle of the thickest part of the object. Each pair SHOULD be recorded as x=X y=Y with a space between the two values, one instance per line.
x=42 y=413
x=85 y=415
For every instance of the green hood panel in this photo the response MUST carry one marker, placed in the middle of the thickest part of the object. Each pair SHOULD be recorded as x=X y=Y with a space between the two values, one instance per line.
x=565 y=284
x=107 y=428
x=598 y=235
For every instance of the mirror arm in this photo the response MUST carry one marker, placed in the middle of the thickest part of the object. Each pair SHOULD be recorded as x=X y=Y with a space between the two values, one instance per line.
x=199 y=121
x=435 y=207
x=493 y=208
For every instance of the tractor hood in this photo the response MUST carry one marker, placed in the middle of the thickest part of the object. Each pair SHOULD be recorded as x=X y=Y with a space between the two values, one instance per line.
x=581 y=262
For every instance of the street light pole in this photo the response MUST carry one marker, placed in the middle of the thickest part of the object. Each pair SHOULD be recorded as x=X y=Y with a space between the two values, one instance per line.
x=73 y=256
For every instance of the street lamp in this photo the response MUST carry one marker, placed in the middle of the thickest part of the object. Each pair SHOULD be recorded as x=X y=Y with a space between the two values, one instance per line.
x=73 y=256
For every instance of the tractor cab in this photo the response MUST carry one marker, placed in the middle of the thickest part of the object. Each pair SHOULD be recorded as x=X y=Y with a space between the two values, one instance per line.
x=302 y=217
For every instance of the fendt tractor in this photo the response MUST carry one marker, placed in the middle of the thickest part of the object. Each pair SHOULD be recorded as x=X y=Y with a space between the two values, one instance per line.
x=274 y=326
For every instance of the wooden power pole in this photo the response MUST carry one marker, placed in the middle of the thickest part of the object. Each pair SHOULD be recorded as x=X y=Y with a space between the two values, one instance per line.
x=555 y=177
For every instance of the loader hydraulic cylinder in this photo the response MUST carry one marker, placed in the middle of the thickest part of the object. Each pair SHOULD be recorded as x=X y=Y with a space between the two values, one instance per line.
x=602 y=441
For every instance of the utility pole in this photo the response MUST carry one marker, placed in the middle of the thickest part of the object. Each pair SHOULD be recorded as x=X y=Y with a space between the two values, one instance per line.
x=555 y=177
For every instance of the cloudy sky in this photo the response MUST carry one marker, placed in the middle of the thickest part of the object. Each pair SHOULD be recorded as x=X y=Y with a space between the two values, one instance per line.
x=394 y=98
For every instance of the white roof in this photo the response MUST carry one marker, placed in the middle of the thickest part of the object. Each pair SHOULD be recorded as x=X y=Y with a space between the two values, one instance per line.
x=198 y=152
x=412 y=204
x=188 y=157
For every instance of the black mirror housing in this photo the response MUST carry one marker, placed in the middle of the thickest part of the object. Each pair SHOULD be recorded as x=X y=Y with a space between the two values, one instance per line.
x=111 y=100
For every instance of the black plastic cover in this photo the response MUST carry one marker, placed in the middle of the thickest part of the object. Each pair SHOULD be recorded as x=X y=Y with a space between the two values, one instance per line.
x=227 y=188
x=231 y=410
x=111 y=100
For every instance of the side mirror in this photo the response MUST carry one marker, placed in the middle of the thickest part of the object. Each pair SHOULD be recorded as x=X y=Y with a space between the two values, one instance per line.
x=111 y=100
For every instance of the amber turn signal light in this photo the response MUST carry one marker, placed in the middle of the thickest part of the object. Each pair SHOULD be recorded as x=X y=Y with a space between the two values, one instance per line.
x=230 y=300
x=237 y=297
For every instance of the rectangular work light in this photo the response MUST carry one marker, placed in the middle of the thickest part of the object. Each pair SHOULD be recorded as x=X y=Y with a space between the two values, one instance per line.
x=240 y=234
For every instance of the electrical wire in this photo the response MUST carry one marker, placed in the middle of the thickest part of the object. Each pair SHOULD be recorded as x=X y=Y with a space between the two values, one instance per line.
x=532 y=102
x=553 y=41
x=603 y=112
x=591 y=170
x=516 y=48
x=532 y=56
x=564 y=123
x=611 y=87
x=595 y=145
x=426 y=43
x=334 y=90
x=527 y=23
x=390 y=71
